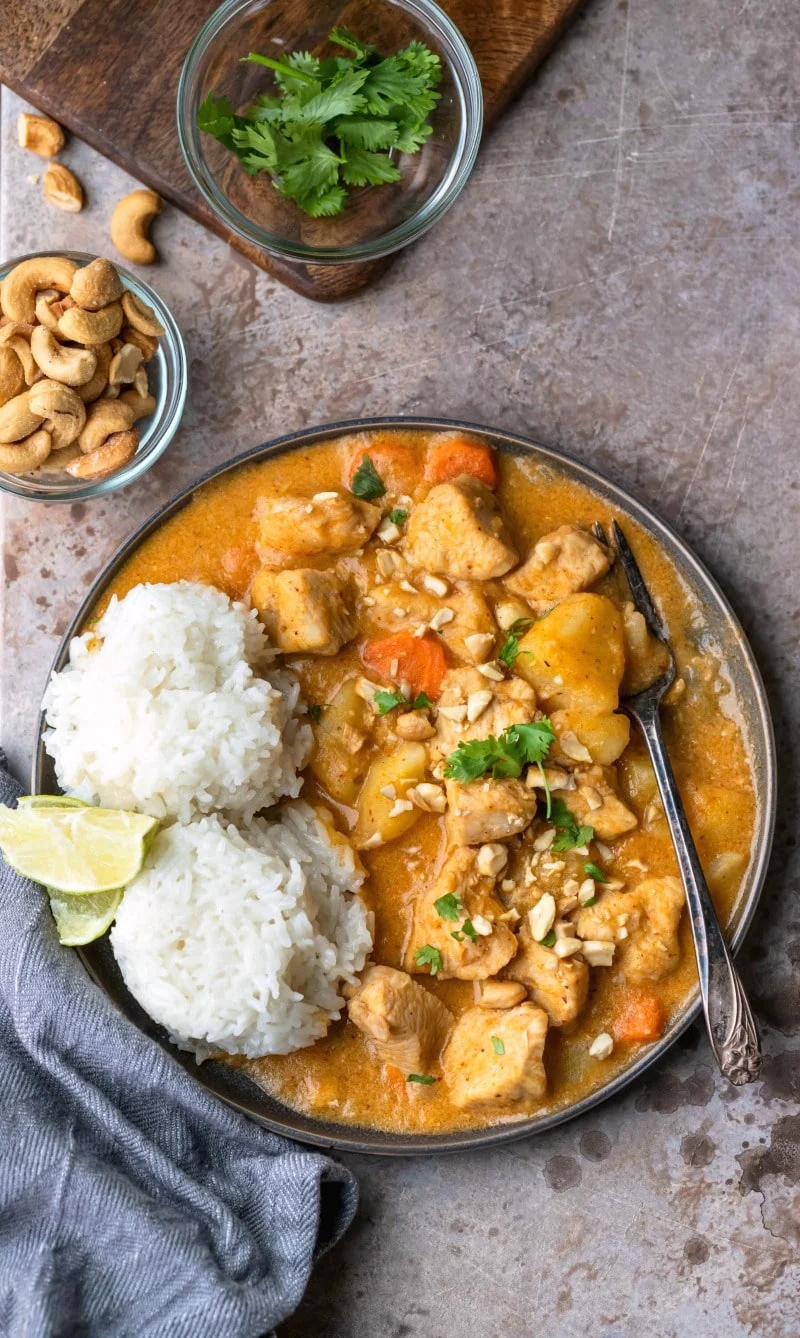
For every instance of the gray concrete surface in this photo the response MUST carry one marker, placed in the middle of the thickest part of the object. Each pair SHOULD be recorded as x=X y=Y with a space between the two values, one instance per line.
x=620 y=278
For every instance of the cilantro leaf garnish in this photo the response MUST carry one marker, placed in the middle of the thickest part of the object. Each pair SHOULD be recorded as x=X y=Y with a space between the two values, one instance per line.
x=469 y=930
x=497 y=1045
x=449 y=907
x=398 y=516
x=549 y=939
x=510 y=647
x=427 y=955
x=334 y=123
x=503 y=757
x=367 y=482
x=570 y=834
x=316 y=713
x=386 y=701
x=424 y=1078
x=595 y=873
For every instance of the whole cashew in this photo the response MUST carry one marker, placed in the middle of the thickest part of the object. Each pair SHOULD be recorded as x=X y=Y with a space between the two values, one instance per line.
x=140 y=315
x=20 y=286
x=64 y=413
x=23 y=351
x=44 y=308
x=91 y=327
x=142 y=405
x=27 y=454
x=105 y=417
x=96 y=285
x=17 y=419
x=116 y=451
x=12 y=377
x=72 y=366
x=130 y=224
x=93 y=389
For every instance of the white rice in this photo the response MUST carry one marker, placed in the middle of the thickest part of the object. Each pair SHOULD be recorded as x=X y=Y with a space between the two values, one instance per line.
x=173 y=713
x=239 y=942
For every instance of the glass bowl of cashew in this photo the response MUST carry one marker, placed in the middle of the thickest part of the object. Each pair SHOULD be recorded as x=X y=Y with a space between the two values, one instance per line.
x=92 y=376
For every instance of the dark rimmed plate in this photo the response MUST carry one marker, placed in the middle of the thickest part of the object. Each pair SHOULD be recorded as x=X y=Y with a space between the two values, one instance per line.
x=724 y=629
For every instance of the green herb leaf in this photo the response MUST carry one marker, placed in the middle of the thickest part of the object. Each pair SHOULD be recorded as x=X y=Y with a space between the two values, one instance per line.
x=469 y=930
x=367 y=482
x=570 y=834
x=365 y=132
x=449 y=907
x=504 y=757
x=549 y=939
x=344 y=37
x=398 y=516
x=215 y=117
x=386 y=701
x=510 y=647
x=497 y=1045
x=316 y=713
x=424 y=1078
x=427 y=955
x=364 y=168
x=459 y=938
x=421 y=702
x=595 y=873
x=591 y=902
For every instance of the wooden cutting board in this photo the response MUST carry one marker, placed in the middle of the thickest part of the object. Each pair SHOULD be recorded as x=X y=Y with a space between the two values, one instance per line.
x=108 y=70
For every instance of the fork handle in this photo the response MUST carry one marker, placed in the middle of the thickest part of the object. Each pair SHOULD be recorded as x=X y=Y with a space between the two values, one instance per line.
x=731 y=1026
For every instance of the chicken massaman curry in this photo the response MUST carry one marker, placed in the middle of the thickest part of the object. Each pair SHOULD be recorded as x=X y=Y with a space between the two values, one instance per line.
x=462 y=641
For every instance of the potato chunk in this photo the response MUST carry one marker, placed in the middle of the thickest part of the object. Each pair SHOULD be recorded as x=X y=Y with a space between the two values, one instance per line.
x=482 y=811
x=341 y=757
x=469 y=895
x=582 y=736
x=562 y=563
x=575 y=657
x=406 y=1024
x=296 y=527
x=384 y=811
x=644 y=925
x=303 y=610
x=559 y=985
x=458 y=531
x=495 y=1059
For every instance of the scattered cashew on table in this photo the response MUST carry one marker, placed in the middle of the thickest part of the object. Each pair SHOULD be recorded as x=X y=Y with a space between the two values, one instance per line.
x=74 y=344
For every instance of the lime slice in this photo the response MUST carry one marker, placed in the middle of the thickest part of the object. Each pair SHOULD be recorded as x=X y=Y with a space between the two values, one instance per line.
x=76 y=850
x=82 y=919
x=49 y=801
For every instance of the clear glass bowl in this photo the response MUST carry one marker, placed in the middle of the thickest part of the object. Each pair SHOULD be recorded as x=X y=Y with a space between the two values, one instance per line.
x=168 y=379
x=376 y=220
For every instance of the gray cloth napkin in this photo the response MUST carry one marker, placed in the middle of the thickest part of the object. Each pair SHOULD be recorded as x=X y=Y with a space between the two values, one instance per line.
x=132 y=1202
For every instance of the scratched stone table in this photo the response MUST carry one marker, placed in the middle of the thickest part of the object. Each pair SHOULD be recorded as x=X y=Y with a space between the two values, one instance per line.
x=621 y=278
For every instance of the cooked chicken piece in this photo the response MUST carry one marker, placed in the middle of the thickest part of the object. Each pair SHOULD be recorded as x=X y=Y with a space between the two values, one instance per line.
x=595 y=803
x=559 y=985
x=470 y=896
x=531 y=872
x=394 y=608
x=296 y=527
x=303 y=609
x=562 y=563
x=406 y=1024
x=643 y=923
x=458 y=531
x=487 y=810
x=511 y=702
x=494 y=1059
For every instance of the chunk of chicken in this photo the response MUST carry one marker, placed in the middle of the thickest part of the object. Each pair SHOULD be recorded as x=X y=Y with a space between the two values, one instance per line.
x=494 y=1059
x=563 y=563
x=482 y=811
x=471 y=896
x=595 y=803
x=559 y=985
x=644 y=925
x=406 y=1024
x=511 y=702
x=304 y=609
x=295 y=527
x=458 y=531
x=394 y=608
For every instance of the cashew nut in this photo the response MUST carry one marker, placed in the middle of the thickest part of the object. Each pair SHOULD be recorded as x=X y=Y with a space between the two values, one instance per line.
x=93 y=389
x=91 y=327
x=125 y=364
x=96 y=285
x=72 y=366
x=64 y=413
x=11 y=328
x=45 y=315
x=27 y=454
x=63 y=189
x=105 y=417
x=117 y=450
x=111 y=392
x=23 y=351
x=39 y=134
x=17 y=419
x=19 y=287
x=147 y=343
x=142 y=405
x=140 y=382
x=12 y=377
x=130 y=224
x=57 y=461
x=140 y=315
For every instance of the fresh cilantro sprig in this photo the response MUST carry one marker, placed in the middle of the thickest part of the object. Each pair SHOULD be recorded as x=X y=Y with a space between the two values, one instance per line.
x=449 y=907
x=367 y=482
x=398 y=515
x=510 y=648
x=570 y=834
x=503 y=757
x=427 y=955
x=595 y=872
x=334 y=123
x=315 y=711
x=424 y=1078
x=386 y=701
x=497 y=1045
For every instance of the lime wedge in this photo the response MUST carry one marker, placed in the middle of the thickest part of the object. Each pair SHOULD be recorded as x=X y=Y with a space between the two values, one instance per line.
x=49 y=801
x=76 y=850
x=82 y=919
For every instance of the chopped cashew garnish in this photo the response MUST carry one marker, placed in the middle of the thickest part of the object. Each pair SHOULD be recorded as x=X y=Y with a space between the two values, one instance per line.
x=492 y=671
x=479 y=644
x=597 y=952
x=441 y=619
x=492 y=858
x=435 y=585
x=567 y=947
x=602 y=1046
x=477 y=703
x=542 y=917
x=481 y=925
x=546 y=839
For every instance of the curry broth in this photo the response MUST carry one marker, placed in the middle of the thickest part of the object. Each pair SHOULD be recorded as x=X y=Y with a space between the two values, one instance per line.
x=338 y=1079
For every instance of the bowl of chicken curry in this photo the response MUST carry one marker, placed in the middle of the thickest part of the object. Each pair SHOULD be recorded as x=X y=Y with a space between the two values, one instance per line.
x=462 y=640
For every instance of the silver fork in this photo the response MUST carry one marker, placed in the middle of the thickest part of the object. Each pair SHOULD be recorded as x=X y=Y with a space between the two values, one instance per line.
x=730 y=1022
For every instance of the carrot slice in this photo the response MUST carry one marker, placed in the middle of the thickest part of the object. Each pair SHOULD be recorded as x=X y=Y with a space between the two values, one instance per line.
x=642 y=1018
x=397 y=463
x=420 y=661
x=456 y=455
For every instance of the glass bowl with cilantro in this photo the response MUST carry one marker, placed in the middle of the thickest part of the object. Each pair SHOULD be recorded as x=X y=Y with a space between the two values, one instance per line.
x=329 y=133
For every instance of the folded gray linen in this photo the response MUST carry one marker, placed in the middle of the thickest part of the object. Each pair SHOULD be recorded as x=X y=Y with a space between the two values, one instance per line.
x=133 y=1202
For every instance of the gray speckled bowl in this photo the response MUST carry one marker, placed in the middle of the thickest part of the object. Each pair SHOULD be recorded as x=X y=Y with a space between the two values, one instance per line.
x=724 y=629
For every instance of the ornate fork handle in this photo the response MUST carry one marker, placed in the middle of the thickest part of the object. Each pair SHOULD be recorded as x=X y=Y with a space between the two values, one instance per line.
x=731 y=1025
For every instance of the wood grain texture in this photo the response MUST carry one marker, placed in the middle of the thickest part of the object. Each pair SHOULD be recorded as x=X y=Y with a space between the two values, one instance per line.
x=90 y=64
